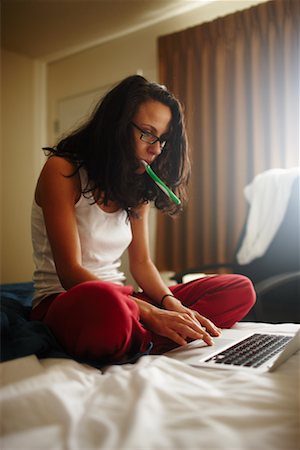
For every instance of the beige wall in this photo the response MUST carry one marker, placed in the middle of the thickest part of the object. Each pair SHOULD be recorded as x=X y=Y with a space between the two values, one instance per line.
x=20 y=162
x=24 y=109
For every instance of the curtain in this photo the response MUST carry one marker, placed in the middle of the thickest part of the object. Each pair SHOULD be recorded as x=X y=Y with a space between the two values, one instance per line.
x=237 y=78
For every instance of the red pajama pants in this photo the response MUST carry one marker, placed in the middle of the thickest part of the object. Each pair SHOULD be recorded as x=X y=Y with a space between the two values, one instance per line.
x=98 y=320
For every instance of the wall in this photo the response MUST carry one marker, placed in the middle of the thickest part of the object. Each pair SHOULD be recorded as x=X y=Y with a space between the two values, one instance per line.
x=24 y=115
x=20 y=161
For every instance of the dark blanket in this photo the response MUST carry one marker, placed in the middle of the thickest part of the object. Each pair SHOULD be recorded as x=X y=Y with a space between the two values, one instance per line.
x=22 y=337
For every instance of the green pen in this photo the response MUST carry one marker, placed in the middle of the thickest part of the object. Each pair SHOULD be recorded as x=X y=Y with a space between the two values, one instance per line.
x=160 y=183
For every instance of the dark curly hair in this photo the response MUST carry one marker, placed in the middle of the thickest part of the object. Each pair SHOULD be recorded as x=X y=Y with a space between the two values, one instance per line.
x=104 y=146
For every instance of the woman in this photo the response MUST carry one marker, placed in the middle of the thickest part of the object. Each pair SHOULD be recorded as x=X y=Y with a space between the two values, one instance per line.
x=91 y=203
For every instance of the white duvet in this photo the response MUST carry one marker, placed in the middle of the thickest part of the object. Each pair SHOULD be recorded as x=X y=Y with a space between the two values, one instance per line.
x=157 y=403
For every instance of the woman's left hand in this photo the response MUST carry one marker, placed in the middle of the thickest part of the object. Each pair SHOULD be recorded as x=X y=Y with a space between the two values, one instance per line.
x=173 y=304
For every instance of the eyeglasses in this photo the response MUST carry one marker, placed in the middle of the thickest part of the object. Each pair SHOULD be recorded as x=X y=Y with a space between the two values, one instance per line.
x=150 y=138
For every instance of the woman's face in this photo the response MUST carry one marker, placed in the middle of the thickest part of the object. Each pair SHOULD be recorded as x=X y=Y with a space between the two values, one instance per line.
x=151 y=121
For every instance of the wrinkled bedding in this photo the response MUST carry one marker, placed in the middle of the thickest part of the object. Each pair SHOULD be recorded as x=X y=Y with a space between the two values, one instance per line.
x=157 y=403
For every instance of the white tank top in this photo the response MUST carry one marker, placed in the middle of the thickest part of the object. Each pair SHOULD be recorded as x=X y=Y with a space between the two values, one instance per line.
x=103 y=239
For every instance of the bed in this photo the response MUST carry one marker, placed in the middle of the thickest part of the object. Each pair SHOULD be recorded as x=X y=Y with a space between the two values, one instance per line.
x=159 y=402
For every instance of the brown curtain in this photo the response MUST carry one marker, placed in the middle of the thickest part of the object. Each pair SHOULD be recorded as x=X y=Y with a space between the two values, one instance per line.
x=238 y=81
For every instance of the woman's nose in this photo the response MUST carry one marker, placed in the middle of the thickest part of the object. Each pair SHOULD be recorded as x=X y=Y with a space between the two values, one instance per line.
x=155 y=148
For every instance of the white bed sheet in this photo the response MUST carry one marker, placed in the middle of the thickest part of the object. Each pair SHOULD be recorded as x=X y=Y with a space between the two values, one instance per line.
x=157 y=403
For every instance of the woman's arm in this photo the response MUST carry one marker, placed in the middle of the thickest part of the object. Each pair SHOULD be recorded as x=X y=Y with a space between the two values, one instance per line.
x=57 y=194
x=142 y=268
x=175 y=321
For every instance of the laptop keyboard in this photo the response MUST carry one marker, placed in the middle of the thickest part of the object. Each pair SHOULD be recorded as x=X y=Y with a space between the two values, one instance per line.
x=252 y=351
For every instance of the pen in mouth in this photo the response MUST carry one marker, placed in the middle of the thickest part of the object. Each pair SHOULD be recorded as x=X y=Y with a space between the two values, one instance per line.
x=160 y=183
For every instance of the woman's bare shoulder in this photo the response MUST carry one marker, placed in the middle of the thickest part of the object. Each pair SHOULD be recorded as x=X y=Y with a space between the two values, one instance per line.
x=60 y=165
x=58 y=174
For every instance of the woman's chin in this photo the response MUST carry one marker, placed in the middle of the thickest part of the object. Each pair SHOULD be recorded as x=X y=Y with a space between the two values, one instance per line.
x=140 y=171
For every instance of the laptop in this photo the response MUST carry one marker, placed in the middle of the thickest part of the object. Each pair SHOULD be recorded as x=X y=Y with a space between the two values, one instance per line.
x=240 y=350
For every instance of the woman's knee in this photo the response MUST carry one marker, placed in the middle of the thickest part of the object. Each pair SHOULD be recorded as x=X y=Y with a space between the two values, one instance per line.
x=93 y=319
x=246 y=289
x=241 y=297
